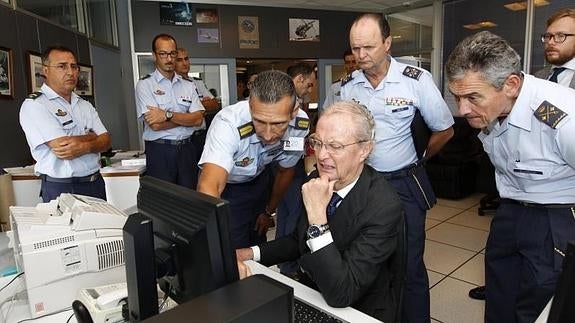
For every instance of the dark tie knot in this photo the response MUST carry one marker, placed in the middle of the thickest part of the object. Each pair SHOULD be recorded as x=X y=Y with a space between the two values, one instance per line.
x=556 y=72
x=332 y=205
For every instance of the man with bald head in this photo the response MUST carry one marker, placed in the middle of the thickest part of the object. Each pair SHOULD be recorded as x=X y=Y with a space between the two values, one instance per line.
x=396 y=94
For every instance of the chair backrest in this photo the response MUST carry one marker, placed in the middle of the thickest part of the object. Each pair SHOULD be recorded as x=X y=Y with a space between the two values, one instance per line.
x=399 y=267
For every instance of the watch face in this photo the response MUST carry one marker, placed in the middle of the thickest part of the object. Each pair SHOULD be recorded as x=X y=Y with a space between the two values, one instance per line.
x=313 y=231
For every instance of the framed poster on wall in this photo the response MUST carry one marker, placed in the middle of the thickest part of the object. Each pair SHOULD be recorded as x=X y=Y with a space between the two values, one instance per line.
x=249 y=32
x=176 y=14
x=85 y=85
x=303 y=29
x=35 y=74
x=6 y=73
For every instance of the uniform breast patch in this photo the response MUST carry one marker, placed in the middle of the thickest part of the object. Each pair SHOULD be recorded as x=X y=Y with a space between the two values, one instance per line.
x=244 y=162
x=301 y=123
x=412 y=72
x=61 y=113
x=246 y=130
x=549 y=114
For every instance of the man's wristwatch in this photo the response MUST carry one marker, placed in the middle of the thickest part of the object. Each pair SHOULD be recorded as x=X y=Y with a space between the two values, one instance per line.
x=169 y=115
x=316 y=230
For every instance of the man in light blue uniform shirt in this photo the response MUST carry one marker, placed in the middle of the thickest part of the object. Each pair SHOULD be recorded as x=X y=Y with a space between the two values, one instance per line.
x=172 y=112
x=334 y=92
x=527 y=130
x=242 y=142
x=64 y=131
x=394 y=93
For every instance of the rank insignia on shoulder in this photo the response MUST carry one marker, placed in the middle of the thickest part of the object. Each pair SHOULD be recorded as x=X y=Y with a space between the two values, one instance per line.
x=301 y=123
x=412 y=72
x=246 y=130
x=34 y=95
x=549 y=114
x=145 y=77
x=61 y=113
x=346 y=79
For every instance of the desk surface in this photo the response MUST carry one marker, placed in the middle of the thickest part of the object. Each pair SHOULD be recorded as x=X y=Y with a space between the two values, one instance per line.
x=311 y=296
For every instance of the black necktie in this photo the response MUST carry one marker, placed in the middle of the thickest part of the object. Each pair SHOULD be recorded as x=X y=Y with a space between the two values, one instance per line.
x=332 y=206
x=556 y=72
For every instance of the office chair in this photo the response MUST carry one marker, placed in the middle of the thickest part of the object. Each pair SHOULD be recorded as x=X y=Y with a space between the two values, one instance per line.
x=398 y=267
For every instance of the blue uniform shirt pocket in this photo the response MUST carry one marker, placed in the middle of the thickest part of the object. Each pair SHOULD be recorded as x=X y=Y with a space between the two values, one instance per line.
x=531 y=178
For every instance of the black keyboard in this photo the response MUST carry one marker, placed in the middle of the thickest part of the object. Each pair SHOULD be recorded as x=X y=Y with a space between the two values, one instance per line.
x=305 y=313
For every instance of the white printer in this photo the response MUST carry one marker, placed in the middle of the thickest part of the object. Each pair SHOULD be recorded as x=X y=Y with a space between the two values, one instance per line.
x=70 y=243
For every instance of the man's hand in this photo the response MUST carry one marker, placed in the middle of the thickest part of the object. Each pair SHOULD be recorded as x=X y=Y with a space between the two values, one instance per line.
x=244 y=254
x=70 y=147
x=154 y=115
x=316 y=195
x=263 y=223
x=243 y=270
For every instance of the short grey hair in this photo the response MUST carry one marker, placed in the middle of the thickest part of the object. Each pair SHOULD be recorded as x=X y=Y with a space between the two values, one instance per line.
x=272 y=86
x=361 y=116
x=486 y=53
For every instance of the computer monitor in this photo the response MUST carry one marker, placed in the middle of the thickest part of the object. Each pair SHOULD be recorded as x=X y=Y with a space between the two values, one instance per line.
x=562 y=309
x=191 y=249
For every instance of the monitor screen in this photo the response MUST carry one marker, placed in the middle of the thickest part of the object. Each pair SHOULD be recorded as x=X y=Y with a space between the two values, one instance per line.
x=191 y=241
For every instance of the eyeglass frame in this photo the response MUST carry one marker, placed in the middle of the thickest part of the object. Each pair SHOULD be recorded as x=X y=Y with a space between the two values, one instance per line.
x=546 y=37
x=64 y=67
x=329 y=146
x=164 y=55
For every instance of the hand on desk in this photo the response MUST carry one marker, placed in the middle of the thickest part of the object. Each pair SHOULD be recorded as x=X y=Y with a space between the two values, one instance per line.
x=243 y=270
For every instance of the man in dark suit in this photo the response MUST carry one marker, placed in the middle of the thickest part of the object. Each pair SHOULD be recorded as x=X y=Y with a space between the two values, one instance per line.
x=348 y=232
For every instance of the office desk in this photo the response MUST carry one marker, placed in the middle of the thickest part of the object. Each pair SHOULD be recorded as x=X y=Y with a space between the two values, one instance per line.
x=122 y=182
x=311 y=296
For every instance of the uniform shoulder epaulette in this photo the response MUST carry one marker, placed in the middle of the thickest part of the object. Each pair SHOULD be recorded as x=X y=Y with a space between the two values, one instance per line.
x=145 y=77
x=246 y=130
x=301 y=123
x=187 y=79
x=34 y=95
x=346 y=79
x=412 y=72
x=197 y=78
x=549 y=114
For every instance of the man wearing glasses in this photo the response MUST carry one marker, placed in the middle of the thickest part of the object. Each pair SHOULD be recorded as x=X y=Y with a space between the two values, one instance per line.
x=64 y=131
x=348 y=232
x=242 y=142
x=172 y=112
x=559 y=43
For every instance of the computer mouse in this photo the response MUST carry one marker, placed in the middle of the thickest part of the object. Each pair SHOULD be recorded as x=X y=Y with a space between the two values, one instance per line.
x=81 y=312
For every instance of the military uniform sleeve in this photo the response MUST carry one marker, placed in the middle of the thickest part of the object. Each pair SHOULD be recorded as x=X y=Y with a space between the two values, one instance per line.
x=222 y=143
x=144 y=98
x=97 y=125
x=38 y=124
x=196 y=103
x=433 y=108
x=564 y=140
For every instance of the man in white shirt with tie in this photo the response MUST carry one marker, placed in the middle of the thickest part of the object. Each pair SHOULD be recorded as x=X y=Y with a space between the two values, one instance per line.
x=559 y=43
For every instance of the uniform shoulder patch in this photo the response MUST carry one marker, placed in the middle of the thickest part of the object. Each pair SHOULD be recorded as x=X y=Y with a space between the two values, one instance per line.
x=197 y=78
x=145 y=77
x=346 y=79
x=301 y=123
x=34 y=95
x=412 y=72
x=549 y=114
x=246 y=130
x=187 y=79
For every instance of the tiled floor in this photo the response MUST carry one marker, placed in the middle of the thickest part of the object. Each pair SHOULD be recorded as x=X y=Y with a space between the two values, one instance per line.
x=454 y=255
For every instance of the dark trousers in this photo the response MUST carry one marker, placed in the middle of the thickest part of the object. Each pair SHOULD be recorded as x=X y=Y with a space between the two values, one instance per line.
x=415 y=203
x=50 y=191
x=521 y=263
x=176 y=164
x=289 y=211
x=247 y=201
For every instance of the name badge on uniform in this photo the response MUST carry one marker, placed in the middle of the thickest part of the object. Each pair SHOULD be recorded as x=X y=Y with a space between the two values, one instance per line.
x=185 y=100
x=294 y=144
